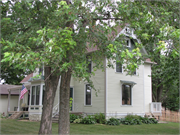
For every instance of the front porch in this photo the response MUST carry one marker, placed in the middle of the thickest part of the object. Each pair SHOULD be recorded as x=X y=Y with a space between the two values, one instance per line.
x=156 y=109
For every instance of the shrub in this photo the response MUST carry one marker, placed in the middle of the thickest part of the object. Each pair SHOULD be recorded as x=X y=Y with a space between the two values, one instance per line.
x=77 y=121
x=132 y=117
x=113 y=121
x=130 y=121
x=74 y=117
x=137 y=120
x=146 y=120
x=88 y=120
x=153 y=121
x=100 y=118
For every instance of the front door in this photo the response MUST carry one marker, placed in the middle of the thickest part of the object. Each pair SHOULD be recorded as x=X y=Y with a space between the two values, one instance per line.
x=71 y=96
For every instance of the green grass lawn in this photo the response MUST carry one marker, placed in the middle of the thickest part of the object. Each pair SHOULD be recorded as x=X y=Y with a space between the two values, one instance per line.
x=9 y=126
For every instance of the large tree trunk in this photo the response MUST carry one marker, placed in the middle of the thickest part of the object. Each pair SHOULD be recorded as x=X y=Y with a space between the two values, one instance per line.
x=159 y=93
x=50 y=90
x=64 y=124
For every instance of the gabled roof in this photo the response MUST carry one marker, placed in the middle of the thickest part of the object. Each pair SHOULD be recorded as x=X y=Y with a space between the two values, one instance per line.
x=25 y=80
x=148 y=60
x=4 y=89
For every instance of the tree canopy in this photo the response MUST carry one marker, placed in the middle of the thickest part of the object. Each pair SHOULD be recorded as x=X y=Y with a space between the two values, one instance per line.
x=57 y=34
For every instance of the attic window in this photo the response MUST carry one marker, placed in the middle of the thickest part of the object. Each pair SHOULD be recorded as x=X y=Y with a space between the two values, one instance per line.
x=128 y=43
x=128 y=31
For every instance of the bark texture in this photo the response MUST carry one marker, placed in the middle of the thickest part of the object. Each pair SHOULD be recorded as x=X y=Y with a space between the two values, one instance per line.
x=50 y=90
x=64 y=124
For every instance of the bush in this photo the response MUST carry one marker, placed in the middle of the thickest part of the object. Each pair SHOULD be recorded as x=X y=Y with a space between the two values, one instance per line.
x=74 y=117
x=146 y=120
x=132 y=117
x=130 y=121
x=153 y=121
x=113 y=121
x=137 y=120
x=100 y=118
x=88 y=120
x=77 y=121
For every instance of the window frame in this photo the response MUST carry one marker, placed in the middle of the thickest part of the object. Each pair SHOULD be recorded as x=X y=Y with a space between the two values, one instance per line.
x=35 y=91
x=129 y=43
x=85 y=95
x=135 y=72
x=131 y=95
x=89 y=60
x=116 y=68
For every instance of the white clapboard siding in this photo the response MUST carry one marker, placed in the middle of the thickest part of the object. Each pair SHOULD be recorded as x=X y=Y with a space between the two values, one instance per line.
x=114 y=89
x=98 y=102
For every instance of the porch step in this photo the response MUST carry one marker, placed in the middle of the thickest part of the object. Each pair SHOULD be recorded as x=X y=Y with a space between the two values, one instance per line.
x=151 y=115
x=16 y=115
x=55 y=119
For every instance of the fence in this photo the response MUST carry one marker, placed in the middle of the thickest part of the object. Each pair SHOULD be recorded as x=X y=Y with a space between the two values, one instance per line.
x=170 y=116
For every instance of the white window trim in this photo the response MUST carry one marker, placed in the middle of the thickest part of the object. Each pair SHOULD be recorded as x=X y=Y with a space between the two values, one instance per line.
x=35 y=94
x=136 y=73
x=85 y=95
x=129 y=45
x=130 y=31
x=91 y=65
x=73 y=98
x=116 y=71
x=131 y=97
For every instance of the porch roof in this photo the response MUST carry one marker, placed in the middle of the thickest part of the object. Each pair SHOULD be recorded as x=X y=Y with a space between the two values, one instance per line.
x=18 y=87
x=127 y=82
x=4 y=89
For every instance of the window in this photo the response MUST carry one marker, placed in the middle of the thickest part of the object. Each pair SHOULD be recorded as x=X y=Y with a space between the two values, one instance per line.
x=35 y=95
x=118 y=67
x=126 y=94
x=128 y=43
x=28 y=97
x=134 y=72
x=43 y=94
x=41 y=70
x=128 y=31
x=89 y=66
x=88 y=95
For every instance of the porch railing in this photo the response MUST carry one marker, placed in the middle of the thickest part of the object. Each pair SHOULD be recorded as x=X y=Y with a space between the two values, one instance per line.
x=55 y=110
x=155 y=107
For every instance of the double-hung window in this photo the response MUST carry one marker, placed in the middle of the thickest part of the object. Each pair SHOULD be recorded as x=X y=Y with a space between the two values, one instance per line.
x=135 y=72
x=89 y=65
x=126 y=94
x=35 y=95
x=128 y=43
x=88 y=95
x=119 y=67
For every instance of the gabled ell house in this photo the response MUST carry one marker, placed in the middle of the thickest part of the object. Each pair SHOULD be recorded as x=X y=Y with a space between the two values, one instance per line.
x=118 y=96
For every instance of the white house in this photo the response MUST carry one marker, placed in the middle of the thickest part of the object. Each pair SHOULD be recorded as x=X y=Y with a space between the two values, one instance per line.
x=118 y=94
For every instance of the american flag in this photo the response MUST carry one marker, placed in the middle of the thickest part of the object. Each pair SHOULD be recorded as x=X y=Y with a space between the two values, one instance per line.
x=23 y=91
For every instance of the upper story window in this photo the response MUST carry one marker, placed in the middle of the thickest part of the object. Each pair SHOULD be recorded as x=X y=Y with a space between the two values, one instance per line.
x=89 y=65
x=119 y=67
x=41 y=70
x=135 y=73
x=128 y=31
x=128 y=42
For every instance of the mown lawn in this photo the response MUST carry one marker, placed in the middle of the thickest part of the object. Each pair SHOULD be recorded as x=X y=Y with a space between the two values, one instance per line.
x=9 y=126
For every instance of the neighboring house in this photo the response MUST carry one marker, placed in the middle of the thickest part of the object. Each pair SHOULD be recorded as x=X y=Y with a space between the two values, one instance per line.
x=118 y=94
x=4 y=96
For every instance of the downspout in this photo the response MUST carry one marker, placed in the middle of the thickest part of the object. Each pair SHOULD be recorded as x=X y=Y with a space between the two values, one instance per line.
x=59 y=91
x=144 y=88
x=106 y=88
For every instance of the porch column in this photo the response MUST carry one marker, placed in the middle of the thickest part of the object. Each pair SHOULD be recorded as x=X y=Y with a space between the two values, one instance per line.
x=41 y=93
x=9 y=98
x=19 y=101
